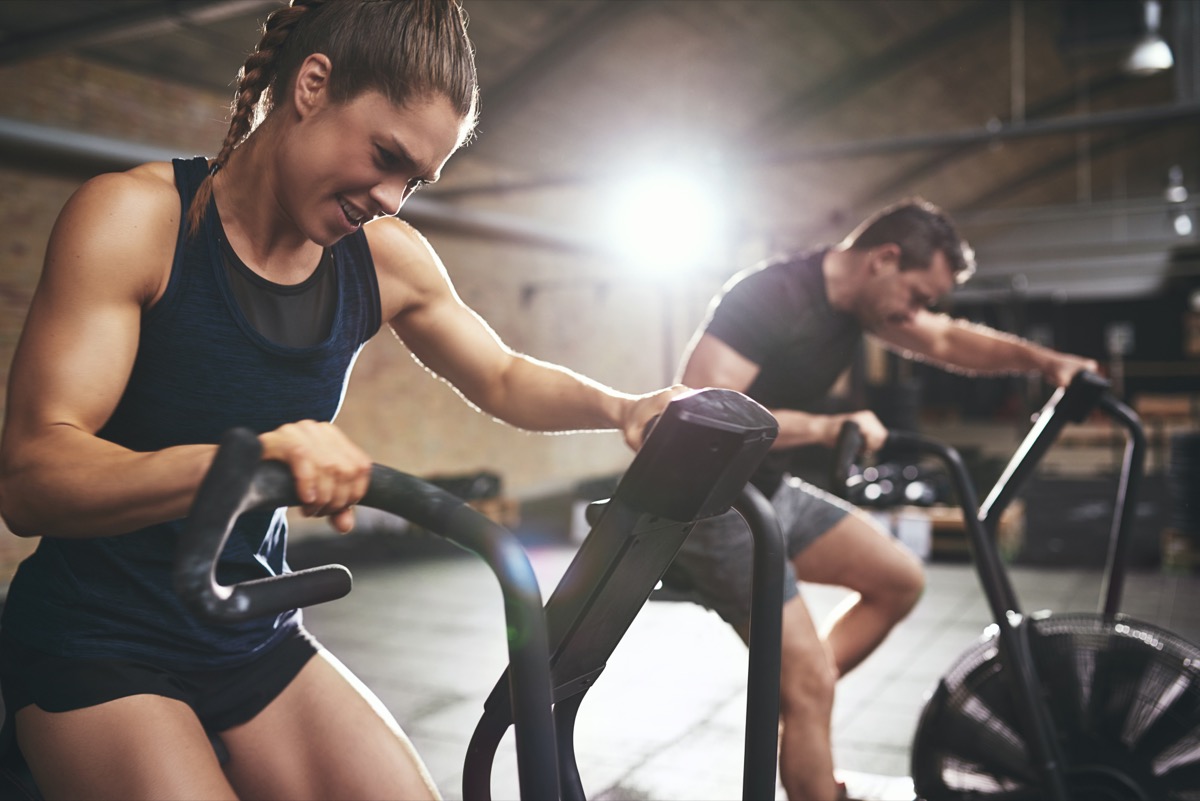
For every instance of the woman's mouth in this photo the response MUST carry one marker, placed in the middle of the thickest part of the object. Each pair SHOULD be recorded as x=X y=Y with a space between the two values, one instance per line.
x=352 y=214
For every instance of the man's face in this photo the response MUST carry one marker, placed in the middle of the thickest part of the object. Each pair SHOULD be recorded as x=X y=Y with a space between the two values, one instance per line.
x=892 y=296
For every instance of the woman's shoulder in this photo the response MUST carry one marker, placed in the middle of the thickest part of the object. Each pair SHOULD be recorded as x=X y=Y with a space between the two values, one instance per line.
x=136 y=198
x=126 y=222
x=409 y=270
x=393 y=239
x=400 y=251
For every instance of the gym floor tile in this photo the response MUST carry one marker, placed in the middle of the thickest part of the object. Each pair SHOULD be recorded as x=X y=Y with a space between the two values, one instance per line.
x=666 y=718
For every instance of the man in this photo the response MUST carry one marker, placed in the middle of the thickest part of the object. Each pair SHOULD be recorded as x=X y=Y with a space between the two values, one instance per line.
x=783 y=333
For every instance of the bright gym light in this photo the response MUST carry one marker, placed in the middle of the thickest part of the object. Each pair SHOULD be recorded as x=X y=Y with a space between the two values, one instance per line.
x=668 y=220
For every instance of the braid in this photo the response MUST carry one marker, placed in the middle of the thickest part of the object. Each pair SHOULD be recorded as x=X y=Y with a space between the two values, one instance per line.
x=249 y=106
x=403 y=50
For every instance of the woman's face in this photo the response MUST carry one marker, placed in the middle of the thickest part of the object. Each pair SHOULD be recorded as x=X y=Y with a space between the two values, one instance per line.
x=348 y=163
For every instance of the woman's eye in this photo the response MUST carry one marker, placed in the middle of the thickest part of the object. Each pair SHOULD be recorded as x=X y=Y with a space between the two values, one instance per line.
x=386 y=157
x=417 y=183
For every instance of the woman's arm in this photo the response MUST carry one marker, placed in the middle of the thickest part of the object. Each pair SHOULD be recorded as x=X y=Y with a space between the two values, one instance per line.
x=452 y=341
x=108 y=257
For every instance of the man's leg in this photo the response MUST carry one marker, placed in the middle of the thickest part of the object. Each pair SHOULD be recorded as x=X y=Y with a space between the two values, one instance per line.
x=807 y=678
x=716 y=561
x=886 y=577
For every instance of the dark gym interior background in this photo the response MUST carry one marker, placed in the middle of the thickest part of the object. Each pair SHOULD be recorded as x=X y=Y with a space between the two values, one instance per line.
x=1073 y=173
x=1054 y=131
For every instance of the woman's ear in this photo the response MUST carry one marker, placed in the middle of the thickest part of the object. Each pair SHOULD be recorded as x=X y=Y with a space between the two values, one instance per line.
x=312 y=83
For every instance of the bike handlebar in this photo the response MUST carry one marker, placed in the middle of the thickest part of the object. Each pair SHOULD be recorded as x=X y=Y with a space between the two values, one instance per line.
x=1072 y=403
x=239 y=481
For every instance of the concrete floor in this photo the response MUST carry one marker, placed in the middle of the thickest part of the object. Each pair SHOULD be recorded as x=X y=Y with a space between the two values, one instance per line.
x=665 y=720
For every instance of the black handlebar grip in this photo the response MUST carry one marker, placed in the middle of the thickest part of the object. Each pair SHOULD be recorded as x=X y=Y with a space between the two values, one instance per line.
x=1077 y=400
x=846 y=451
x=646 y=429
x=238 y=481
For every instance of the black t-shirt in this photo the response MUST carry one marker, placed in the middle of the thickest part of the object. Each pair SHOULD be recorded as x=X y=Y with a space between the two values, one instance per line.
x=778 y=316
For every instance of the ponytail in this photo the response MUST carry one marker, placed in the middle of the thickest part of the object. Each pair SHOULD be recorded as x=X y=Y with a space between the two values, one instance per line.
x=401 y=48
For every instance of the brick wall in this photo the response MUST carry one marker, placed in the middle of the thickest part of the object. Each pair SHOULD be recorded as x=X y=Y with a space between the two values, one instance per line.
x=578 y=312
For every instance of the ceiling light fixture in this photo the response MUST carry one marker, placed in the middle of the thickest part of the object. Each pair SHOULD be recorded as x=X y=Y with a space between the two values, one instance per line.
x=1151 y=54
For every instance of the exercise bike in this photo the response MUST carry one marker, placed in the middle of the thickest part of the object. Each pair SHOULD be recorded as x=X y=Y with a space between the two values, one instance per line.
x=695 y=463
x=1048 y=705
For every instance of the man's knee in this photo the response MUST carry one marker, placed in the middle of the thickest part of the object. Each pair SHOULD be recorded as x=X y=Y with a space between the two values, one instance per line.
x=909 y=584
x=807 y=673
x=898 y=587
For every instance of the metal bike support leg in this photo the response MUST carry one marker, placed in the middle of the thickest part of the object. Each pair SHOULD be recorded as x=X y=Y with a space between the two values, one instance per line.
x=570 y=782
x=1015 y=630
x=1132 y=468
x=766 y=623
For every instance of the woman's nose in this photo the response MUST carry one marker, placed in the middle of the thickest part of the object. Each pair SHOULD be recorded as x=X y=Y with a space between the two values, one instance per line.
x=390 y=196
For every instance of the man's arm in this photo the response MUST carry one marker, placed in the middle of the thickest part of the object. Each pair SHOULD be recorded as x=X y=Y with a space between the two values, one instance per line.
x=976 y=349
x=454 y=343
x=713 y=363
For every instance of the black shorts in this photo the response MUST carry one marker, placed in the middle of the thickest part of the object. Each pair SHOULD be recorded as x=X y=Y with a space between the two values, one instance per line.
x=222 y=698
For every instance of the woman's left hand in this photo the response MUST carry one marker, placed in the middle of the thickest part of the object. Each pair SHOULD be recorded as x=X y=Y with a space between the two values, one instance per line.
x=643 y=409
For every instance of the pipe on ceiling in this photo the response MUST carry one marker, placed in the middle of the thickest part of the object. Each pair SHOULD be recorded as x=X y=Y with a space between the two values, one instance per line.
x=118 y=26
x=897 y=144
x=76 y=152
x=990 y=133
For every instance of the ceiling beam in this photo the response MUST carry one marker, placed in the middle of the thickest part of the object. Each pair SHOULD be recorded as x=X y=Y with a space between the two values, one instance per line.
x=1044 y=170
x=64 y=151
x=506 y=97
x=136 y=22
x=849 y=80
x=1169 y=112
x=902 y=182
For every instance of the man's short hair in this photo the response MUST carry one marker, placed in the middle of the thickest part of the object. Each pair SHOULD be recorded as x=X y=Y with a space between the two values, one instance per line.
x=920 y=229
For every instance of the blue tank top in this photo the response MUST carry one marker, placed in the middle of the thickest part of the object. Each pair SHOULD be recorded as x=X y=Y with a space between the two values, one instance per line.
x=200 y=369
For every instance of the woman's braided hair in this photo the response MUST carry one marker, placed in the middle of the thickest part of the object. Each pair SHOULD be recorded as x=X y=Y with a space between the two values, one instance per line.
x=403 y=49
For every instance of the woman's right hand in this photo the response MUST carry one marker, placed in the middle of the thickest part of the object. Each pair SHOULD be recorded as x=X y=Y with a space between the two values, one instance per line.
x=330 y=471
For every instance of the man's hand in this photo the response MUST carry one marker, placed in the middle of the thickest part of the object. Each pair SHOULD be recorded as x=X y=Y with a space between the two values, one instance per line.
x=1060 y=368
x=873 y=432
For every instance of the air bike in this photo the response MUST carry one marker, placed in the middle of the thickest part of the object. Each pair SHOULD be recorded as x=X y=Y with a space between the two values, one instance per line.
x=694 y=464
x=1088 y=705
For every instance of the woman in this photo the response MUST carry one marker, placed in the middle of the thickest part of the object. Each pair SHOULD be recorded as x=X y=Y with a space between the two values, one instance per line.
x=179 y=300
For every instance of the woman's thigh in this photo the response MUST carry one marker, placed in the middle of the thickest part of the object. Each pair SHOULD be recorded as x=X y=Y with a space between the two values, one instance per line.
x=325 y=736
x=136 y=747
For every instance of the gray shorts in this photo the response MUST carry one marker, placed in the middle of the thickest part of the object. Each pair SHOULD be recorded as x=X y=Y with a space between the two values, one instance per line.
x=716 y=562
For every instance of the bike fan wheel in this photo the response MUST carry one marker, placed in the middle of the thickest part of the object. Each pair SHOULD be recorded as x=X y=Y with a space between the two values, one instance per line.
x=1124 y=697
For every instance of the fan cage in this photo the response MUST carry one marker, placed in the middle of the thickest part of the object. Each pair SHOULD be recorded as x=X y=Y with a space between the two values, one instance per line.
x=1124 y=696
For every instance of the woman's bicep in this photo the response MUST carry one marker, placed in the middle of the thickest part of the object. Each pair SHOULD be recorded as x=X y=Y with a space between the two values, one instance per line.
x=80 y=336
x=427 y=315
x=455 y=343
